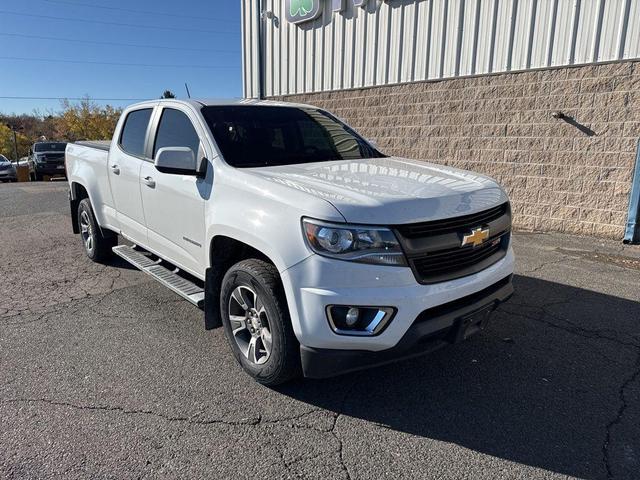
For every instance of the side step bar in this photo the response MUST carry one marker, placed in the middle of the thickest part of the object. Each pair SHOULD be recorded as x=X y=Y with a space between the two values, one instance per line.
x=186 y=289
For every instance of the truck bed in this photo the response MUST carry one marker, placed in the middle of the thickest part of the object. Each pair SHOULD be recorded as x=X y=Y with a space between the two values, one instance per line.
x=99 y=144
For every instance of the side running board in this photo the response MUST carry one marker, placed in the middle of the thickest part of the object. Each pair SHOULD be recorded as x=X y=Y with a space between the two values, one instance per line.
x=186 y=289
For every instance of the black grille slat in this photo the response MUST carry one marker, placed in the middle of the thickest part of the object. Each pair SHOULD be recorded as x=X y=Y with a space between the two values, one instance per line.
x=437 y=227
x=479 y=254
x=457 y=252
x=435 y=252
x=433 y=269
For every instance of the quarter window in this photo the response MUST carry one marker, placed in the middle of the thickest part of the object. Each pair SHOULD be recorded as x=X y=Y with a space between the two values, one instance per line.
x=176 y=130
x=134 y=131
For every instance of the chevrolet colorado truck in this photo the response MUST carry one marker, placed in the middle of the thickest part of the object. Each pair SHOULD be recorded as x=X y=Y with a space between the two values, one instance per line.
x=317 y=253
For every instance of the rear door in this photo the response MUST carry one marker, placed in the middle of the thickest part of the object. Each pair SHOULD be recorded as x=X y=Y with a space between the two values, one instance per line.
x=174 y=203
x=124 y=166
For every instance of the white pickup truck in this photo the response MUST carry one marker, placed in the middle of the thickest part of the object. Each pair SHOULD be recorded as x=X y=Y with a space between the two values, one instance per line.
x=317 y=253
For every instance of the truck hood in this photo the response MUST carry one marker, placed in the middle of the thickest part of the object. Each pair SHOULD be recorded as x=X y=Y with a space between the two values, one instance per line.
x=389 y=191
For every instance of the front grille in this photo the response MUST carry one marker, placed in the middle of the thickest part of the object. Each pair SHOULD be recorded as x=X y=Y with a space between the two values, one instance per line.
x=435 y=252
x=448 y=262
x=438 y=227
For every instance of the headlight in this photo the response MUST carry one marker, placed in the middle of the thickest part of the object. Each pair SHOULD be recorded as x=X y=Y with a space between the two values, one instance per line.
x=356 y=243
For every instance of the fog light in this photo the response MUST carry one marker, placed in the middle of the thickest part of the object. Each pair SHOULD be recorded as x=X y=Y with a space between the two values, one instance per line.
x=352 y=317
x=359 y=321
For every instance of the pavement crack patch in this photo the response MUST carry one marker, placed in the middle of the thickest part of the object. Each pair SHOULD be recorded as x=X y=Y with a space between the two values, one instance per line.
x=333 y=432
x=608 y=259
x=606 y=460
x=276 y=421
x=564 y=258
x=572 y=328
x=108 y=408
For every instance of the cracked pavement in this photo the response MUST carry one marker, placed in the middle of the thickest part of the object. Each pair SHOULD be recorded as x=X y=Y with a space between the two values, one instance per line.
x=106 y=374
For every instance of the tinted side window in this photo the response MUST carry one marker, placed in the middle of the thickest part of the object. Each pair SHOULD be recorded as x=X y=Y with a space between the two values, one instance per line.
x=176 y=130
x=134 y=131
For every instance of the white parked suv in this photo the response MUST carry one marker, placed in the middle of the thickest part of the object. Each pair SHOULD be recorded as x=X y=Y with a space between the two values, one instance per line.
x=317 y=253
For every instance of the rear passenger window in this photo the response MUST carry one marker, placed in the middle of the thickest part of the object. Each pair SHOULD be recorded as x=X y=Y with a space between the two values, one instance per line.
x=134 y=131
x=176 y=130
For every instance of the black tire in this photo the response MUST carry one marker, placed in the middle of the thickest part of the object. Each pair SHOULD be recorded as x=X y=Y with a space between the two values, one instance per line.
x=283 y=361
x=38 y=177
x=96 y=245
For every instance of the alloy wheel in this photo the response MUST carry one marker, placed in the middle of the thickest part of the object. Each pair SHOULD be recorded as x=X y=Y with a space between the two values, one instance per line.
x=250 y=325
x=86 y=231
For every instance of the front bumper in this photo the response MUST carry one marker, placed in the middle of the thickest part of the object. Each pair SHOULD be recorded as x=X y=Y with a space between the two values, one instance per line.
x=51 y=169
x=8 y=174
x=317 y=282
x=432 y=329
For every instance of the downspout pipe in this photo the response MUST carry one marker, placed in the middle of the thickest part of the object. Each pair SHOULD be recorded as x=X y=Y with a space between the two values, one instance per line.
x=260 y=52
x=632 y=231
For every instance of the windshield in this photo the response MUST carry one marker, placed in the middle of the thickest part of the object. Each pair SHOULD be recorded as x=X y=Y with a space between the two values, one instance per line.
x=49 y=147
x=3 y=159
x=260 y=136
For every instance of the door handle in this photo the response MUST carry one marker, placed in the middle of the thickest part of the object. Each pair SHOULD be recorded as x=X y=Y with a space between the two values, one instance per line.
x=115 y=169
x=149 y=182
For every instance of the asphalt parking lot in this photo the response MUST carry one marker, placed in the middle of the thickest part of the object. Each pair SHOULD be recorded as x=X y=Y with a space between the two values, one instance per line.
x=106 y=374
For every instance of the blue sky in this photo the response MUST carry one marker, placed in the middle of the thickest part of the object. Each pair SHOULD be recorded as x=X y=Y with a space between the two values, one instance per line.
x=203 y=36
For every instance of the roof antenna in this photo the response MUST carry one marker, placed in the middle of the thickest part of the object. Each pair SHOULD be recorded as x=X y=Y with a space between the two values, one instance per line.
x=187 y=88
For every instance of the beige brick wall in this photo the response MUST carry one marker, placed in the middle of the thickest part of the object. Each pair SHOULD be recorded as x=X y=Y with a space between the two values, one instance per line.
x=559 y=177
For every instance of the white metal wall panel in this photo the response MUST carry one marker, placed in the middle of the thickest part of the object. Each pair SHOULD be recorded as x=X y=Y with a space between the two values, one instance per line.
x=455 y=33
x=396 y=41
x=541 y=33
x=522 y=29
x=501 y=40
x=469 y=32
x=348 y=62
x=438 y=39
x=585 y=34
x=383 y=54
x=632 y=45
x=486 y=31
x=421 y=42
x=562 y=34
x=395 y=44
x=612 y=29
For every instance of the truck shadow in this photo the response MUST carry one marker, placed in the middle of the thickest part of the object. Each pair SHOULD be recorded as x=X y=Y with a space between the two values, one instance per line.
x=542 y=387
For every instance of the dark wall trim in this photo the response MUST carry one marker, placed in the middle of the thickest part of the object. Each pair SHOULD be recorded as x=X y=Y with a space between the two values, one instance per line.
x=632 y=232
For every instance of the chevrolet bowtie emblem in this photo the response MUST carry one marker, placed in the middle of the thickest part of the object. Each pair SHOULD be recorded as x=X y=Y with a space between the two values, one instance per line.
x=476 y=237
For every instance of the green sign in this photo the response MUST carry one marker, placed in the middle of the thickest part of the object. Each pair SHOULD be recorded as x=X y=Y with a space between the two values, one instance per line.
x=299 y=11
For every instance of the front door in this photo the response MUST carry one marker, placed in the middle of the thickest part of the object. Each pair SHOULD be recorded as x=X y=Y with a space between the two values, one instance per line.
x=125 y=162
x=174 y=203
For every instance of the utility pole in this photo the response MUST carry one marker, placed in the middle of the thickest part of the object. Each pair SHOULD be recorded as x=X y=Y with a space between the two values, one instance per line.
x=15 y=145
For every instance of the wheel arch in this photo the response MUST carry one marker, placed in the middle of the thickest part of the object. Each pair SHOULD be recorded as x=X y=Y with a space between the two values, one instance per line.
x=76 y=194
x=224 y=252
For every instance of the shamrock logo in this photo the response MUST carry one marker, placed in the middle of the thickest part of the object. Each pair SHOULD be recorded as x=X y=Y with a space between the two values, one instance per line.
x=300 y=7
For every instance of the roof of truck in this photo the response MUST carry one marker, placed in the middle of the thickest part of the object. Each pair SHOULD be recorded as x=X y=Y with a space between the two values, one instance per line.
x=200 y=102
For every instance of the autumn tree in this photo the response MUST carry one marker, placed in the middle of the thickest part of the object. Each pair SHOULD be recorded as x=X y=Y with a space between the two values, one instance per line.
x=6 y=143
x=86 y=120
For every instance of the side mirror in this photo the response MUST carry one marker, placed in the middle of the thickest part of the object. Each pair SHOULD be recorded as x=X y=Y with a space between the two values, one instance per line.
x=176 y=160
